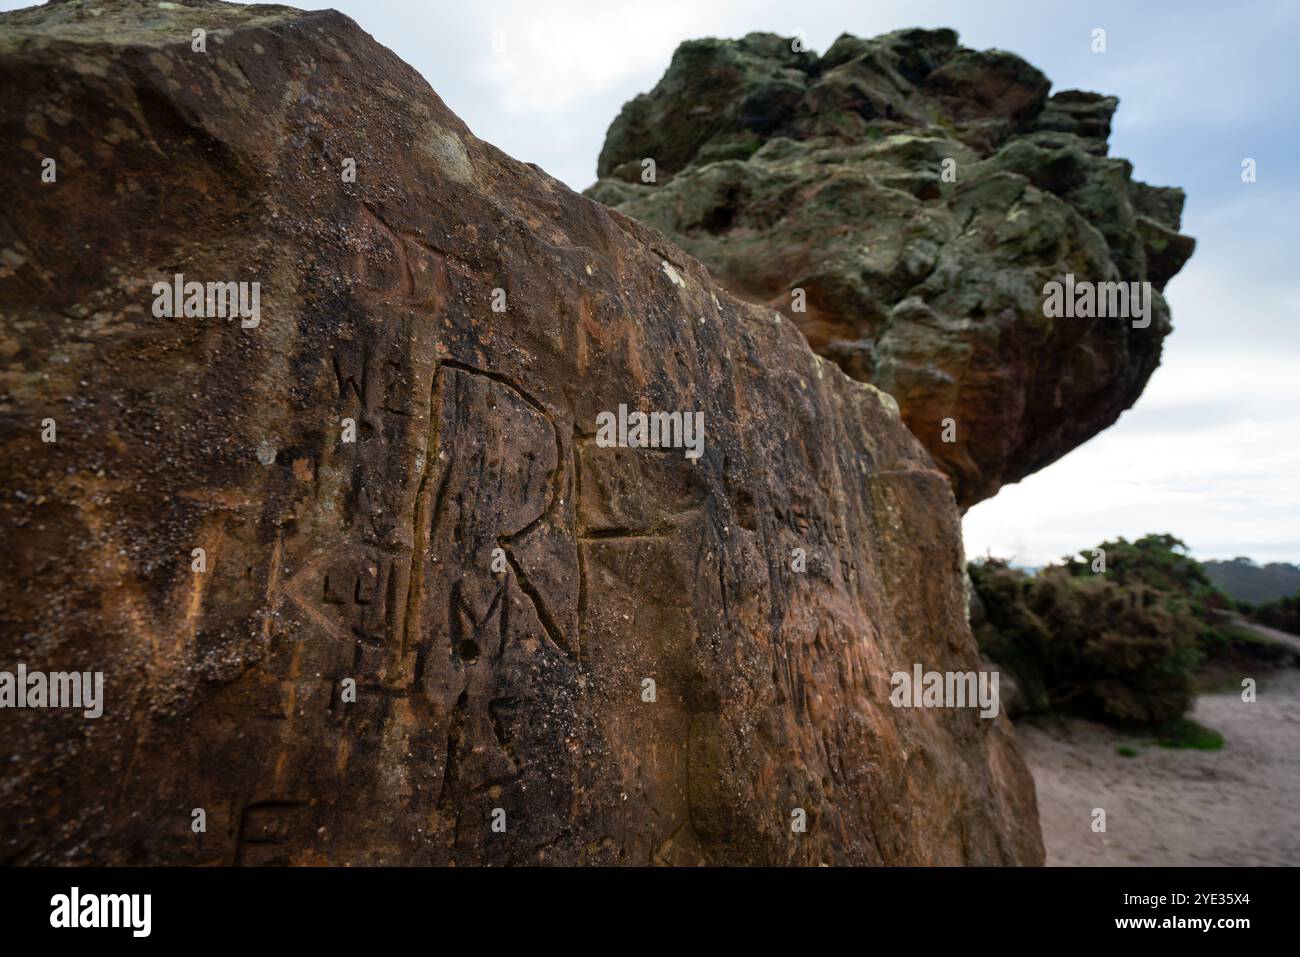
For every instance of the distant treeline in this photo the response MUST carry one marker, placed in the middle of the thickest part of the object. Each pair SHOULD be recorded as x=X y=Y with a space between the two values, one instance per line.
x=1246 y=581
x=1125 y=644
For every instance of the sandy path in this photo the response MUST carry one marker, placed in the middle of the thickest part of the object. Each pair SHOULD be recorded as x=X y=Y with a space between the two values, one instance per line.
x=1236 y=806
x=1291 y=641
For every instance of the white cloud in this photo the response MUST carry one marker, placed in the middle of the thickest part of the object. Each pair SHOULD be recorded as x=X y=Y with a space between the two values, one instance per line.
x=1226 y=488
x=546 y=57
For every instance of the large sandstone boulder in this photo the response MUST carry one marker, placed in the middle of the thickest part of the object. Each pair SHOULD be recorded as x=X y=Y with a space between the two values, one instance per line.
x=391 y=644
x=817 y=186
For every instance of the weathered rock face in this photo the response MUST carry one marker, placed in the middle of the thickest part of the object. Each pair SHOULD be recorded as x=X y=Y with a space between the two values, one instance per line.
x=496 y=581
x=782 y=171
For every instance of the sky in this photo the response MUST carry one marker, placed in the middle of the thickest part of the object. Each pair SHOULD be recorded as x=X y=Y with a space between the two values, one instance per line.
x=1211 y=451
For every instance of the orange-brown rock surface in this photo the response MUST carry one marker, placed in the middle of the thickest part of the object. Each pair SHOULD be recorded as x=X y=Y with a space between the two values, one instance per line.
x=390 y=644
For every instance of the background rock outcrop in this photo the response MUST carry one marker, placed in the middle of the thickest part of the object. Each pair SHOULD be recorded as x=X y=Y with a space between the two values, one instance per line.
x=781 y=170
x=497 y=584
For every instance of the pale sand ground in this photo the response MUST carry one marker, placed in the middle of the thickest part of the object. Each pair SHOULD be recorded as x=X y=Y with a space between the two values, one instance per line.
x=1236 y=806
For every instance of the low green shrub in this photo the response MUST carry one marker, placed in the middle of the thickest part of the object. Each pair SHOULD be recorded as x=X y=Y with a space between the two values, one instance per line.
x=1088 y=645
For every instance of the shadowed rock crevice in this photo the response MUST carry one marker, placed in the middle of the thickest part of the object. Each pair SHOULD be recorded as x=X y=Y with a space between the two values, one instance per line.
x=921 y=195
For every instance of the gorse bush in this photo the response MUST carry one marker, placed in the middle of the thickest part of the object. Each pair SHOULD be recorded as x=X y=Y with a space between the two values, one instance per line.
x=1282 y=614
x=1159 y=563
x=1123 y=645
x=1090 y=645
